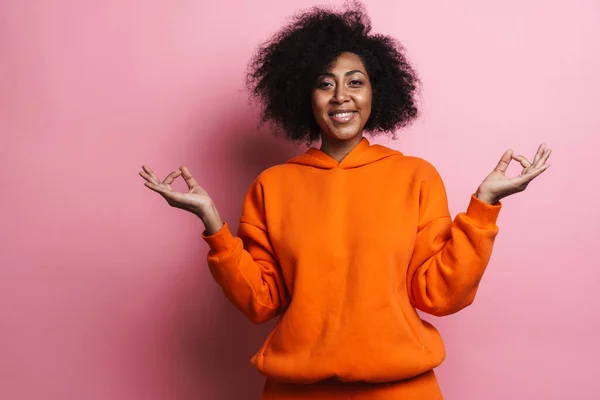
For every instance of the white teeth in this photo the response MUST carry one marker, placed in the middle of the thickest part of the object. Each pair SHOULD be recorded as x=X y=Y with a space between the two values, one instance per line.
x=343 y=115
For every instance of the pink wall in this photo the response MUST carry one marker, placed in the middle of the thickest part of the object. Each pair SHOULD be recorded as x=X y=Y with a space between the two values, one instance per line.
x=104 y=290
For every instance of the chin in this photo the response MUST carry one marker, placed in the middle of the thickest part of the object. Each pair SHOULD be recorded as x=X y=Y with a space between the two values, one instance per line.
x=343 y=134
x=347 y=136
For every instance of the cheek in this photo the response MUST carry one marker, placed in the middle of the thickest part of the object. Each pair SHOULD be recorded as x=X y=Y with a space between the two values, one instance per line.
x=366 y=100
x=319 y=105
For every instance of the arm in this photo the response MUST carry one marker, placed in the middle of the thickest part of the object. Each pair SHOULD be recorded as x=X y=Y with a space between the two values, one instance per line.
x=449 y=257
x=245 y=266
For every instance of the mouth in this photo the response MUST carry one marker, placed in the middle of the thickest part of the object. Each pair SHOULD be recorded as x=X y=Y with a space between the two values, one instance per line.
x=342 y=117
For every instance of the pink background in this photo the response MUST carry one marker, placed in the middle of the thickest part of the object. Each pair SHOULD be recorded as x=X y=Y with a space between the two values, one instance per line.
x=104 y=289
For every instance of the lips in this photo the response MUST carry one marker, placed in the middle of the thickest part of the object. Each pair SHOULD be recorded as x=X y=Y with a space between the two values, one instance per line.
x=342 y=116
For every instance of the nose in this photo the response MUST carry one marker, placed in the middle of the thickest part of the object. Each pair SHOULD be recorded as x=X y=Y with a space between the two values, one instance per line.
x=340 y=95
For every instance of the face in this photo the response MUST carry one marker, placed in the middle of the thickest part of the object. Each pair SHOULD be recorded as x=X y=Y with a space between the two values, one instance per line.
x=341 y=99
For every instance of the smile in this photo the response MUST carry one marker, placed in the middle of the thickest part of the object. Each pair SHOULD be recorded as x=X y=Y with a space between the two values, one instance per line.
x=342 y=117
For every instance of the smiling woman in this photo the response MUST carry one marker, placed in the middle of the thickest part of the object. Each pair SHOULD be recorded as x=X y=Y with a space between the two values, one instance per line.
x=341 y=103
x=321 y=55
x=345 y=242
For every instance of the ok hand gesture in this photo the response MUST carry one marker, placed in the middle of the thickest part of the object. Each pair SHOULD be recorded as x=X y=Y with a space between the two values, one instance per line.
x=196 y=200
x=497 y=185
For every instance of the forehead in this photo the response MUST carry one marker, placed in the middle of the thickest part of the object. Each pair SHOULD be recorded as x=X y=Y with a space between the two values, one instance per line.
x=347 y=62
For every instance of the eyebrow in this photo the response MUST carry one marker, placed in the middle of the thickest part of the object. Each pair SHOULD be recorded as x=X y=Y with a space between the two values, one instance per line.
x=346 y=74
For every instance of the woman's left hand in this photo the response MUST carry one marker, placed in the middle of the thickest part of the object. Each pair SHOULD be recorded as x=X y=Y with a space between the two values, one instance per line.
x=497 y=185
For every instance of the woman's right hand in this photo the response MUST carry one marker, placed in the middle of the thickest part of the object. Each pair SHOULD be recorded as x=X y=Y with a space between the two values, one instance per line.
x=196 y=200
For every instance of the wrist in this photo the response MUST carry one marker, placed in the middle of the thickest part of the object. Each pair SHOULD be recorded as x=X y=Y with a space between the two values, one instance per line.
x=486 y=197
x=210 y=218
x=204 y=210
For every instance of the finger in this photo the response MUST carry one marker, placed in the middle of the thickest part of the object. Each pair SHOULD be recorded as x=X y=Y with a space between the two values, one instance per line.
x=163 y=191
x=504 y=161
x=544 y=158
x=540 y=160
x=532 y=174
x=539 y=153
x=536 y=172
x=157 y=188
x=522 y=160
x=171 y=177
x=151 y=173
x=189 y=179
x=147 y=177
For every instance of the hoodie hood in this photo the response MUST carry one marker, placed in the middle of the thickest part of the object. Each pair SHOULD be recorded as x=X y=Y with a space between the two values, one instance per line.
x=362 y=154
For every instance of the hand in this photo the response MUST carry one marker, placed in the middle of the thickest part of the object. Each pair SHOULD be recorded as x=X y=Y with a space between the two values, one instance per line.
x=497 y=186
x=196 y=200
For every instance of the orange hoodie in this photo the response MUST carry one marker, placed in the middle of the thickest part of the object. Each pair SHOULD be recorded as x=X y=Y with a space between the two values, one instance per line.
x=343 y=253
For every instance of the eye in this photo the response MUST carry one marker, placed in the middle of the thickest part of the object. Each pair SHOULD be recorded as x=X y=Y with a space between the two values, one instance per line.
x=324 y=84
x=355 y=82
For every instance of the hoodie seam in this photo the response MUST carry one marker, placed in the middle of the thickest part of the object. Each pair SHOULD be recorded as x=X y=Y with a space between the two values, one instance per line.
x=360 y=159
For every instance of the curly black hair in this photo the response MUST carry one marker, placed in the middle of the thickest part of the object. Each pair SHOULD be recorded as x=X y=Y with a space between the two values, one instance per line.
x=282 y=73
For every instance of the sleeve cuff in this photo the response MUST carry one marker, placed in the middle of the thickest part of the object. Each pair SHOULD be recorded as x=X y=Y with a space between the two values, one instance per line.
x=485 y=215
x=220 y=241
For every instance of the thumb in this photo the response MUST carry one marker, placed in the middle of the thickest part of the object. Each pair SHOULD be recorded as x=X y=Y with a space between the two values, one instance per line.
x=504 y=161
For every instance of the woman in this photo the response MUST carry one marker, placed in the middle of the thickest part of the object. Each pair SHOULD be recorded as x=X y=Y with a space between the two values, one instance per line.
x=344 y=242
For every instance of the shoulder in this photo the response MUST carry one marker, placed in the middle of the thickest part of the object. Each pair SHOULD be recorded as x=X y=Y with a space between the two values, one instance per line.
x=273 y=178
x=425 y=173
x=423 y=167
x=410 y=163
x=417 y=170
x=275 y=173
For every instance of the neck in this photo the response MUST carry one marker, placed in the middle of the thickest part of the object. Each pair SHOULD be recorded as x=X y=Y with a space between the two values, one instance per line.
x=339 y=149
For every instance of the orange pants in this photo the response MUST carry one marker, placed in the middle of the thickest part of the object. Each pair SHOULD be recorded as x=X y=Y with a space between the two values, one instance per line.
x=422 y=387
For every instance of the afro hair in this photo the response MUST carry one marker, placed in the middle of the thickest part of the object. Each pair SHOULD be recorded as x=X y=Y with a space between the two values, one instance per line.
x=282 y=73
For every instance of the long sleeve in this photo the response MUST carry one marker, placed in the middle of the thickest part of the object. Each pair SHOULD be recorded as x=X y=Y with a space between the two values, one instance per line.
x=449 y=257
x=245 y=266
